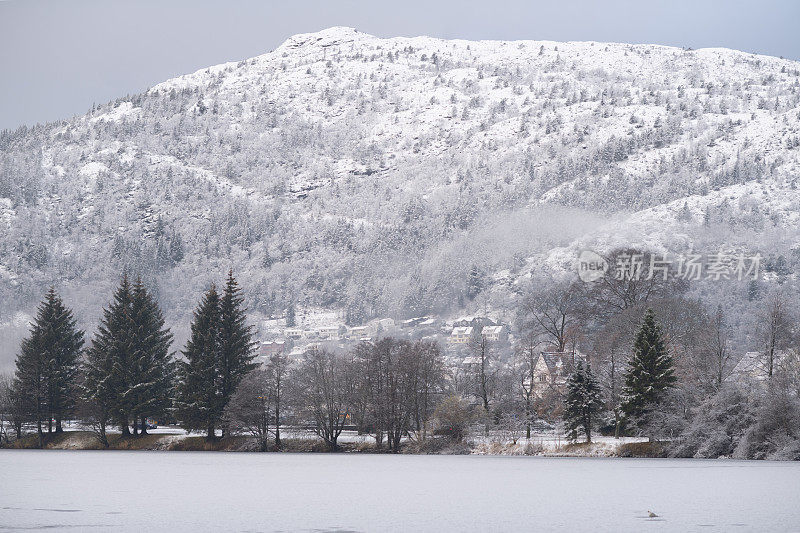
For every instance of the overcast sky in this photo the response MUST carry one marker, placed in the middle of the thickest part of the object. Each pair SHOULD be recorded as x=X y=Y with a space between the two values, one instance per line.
x=59 y=57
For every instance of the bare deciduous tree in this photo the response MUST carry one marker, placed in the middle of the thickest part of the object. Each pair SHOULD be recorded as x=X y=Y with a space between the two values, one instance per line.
x=554 y=312
x=715 y=361
x=249 y=407
x=634 y=277
x=277 y=368
x=777 y=330
x=325 y=388
x=524 y=376
x=5 y=405
x=397 y=380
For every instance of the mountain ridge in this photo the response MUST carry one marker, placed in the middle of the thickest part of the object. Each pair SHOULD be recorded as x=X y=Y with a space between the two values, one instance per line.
x=343 y=170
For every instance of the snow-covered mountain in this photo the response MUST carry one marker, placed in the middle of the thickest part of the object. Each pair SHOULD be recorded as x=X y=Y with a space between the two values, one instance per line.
x=373 y=175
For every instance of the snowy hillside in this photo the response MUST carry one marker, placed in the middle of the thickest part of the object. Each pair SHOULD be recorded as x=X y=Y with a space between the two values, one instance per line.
x=370 y=175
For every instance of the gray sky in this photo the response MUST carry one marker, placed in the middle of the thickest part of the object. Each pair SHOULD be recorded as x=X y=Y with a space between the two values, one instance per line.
x=58 y=57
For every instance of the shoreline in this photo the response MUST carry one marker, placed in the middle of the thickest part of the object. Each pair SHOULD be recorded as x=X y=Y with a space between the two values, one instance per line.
x=434 y=445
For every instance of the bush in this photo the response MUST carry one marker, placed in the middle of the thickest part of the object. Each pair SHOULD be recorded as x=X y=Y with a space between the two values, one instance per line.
x=717 y=427
x=453 y=416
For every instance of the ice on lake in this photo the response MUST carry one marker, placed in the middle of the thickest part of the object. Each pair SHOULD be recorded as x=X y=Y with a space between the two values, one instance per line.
x=215 y=491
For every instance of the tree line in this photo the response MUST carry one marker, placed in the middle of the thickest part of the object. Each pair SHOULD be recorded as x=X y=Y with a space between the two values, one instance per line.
x=640 y=358
x=658 y=362
x=128 y=374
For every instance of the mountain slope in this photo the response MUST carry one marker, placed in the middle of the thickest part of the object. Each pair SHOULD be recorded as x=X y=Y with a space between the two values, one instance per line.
x=351 y=172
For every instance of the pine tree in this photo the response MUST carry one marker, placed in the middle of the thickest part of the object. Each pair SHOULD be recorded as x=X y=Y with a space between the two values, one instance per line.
x=152 y=379
x=110 y=360
x=47 y=366
x=30 y=381
x=198 y=404
x=291 y=320
x=475 y=282
x=583 y=402
x=650 y=371
x=63 y=342
x=236 y=345
x=98 y=395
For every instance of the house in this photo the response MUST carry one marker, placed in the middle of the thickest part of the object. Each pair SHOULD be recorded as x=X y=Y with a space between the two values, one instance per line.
x=380 y=325
x=329 y=333
x=464 y=321
x=754 y=366
x=409 y=323
x=495 y=333
x=551 y=371
x=297 y=352
x=428 y=323
x=414 y=322
x=471 y=360
x=270 y=348
x=357 y=333
x=460 y=335
x=293 y=333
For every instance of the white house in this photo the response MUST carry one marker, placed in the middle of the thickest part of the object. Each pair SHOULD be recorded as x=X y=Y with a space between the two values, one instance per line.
x=380 y=325
x=495 y=333
x=460 y=335
x=358 y=333
x=755 y=366
x=293 y=333
x=330 y=333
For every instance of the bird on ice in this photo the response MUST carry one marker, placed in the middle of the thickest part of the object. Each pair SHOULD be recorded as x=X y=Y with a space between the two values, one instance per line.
x=651 y=514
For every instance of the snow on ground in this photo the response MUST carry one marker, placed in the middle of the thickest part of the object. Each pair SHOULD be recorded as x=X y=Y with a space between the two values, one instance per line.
x=497 y=443
x=117 y=114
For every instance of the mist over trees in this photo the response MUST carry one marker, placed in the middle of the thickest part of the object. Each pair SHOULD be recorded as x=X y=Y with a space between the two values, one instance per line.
x=334 y=186
x=661 y=368
x=318 y=173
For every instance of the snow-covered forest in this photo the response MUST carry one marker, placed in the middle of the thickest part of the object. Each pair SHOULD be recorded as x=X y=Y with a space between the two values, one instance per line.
x=625 y=359
x=373 y=176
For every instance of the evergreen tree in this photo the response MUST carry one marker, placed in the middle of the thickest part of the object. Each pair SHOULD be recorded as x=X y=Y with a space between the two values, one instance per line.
x=236 y=344
x=63 y=342
x=98 y=395
x=198 y=403
x=47 y=366
x=650 y=372
x=30 y=381
x=152 y=379
x=583 y=402
x=110 y=364
x=475 y=282
x=291 y=320
x=176 y=248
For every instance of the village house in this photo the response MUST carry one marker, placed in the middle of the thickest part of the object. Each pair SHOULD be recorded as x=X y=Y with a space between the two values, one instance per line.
x=293 y=333
x=495 y=333
x=270 y=348
x=358 y=333
x=551 y=371
x=474 y=321
x=428 y=323
x=328 y=333
x=754 y=366
x=297 y=352
x=460 y=335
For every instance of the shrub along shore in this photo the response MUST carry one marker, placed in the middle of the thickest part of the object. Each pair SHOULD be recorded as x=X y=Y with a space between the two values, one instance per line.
x=439 y=445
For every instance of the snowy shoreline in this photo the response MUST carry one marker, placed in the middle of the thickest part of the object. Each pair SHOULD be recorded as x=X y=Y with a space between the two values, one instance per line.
x=299 y=441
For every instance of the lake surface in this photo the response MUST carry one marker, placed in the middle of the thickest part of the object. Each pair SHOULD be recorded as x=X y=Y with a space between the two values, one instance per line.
x=186 y=491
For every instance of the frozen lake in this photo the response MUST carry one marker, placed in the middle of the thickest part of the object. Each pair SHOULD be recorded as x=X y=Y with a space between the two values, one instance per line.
x=185 y=491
